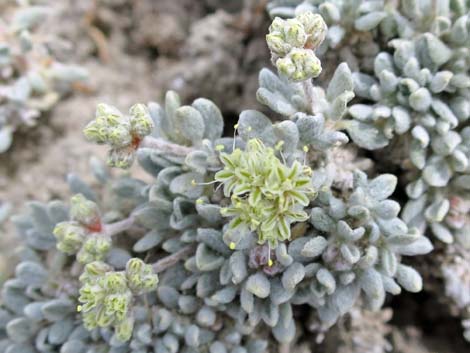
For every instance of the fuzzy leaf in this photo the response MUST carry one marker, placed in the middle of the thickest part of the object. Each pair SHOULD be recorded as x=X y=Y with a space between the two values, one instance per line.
x=409 y=278
x=314 y=247
x=382 y=186
x=148 y=241
x=437 y=173
x=213 y=120
x=207 y=260
x=340 y=82
x=281 y=96
x=189 y=123
x=369 y=21
x=258 y=284
x=20 y=330
x=253 y=124
x=366 y=136
x=31 y=273
x=371 y=284
x=293 y=275
x=238 y=267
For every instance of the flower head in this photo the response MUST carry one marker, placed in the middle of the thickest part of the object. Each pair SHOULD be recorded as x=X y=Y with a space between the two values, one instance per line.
x=107 y=296
x=267 y=195
x=94 y=248
x=315 y=27
x=70 y=236
x=299 y=65
x=82 y=234
x=122 y=133
x=284 y=35
x=140 y=276
x=84 y=211
x=292 y=43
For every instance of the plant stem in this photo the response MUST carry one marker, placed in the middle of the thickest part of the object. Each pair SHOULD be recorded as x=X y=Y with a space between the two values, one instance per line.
x=310 y=95
x=167 y=262
x=284 y=348
x=165 y=146
x=120 y=226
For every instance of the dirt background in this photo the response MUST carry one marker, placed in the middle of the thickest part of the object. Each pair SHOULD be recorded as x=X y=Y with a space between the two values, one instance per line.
x=134 y=51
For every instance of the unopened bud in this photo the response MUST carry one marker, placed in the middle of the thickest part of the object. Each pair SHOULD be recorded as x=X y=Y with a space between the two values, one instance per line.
x=140 y=276
x=84 y=211
x=95 y=248
x=70 y=237
x=299 y=65
x=121 y=157
x=119 y=136
x=141 y=121
x=284 y=35
x=124 y=329
x=315 y=27
x=111 y=114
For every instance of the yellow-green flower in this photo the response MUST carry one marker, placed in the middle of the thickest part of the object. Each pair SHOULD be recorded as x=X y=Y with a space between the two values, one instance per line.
x=284 y=35
x=299 y=65
x=122 y=133
x=267 y=195
x=140 y=276
x=82 y=235
x=292 y=44
x=84 y=211
x=94 y=248
x=70 y=236
x=315 y=28
x=107 y=296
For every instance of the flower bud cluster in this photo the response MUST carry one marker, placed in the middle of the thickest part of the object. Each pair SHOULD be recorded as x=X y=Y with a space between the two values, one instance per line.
x=122 y=133
x=83 y=235
x=292 y=43
x=106 y=296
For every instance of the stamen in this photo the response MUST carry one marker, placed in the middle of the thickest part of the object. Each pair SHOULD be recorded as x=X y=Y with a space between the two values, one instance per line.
x=218 y=187
x=270 y=262
x=283 y=157
x=235 y=128
x=279 y=145
x=305 y=149
x=195 y=183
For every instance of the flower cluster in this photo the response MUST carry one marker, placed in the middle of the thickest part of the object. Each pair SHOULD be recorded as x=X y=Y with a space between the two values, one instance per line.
x=292 y=43
x=267 y=195
x=123 y=133
x=107 y=295
x=83 y=235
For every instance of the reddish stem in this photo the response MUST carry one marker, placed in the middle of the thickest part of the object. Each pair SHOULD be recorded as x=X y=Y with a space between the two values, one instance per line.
x=136 y=140
x=95 y=227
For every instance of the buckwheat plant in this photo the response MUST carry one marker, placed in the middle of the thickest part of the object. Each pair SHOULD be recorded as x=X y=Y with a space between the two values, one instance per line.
x=242 y=231
x=32 y=81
